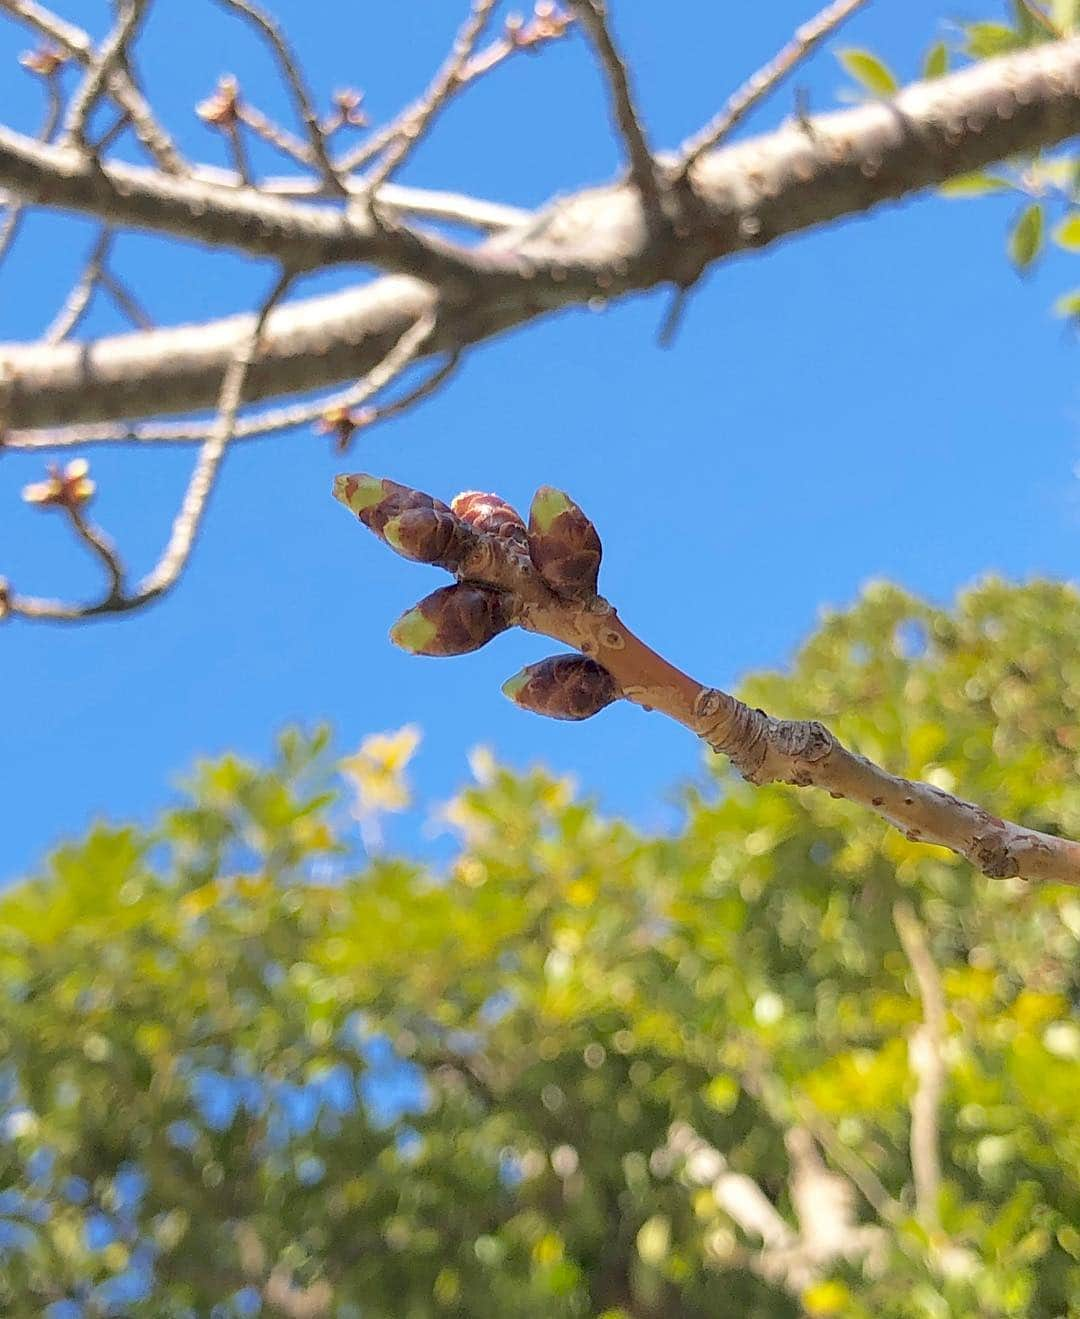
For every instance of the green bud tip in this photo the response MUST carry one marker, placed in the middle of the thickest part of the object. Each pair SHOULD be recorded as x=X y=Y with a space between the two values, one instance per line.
x=512 y=686
x=358 y=492
x=547 y=505
x=413 y=632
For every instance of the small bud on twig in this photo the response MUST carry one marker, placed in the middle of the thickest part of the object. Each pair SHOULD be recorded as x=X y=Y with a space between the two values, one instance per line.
x=453 y=620
x=222 y=109
x=409 y=521
x=490 y=514
x=563 y=687
x=45 y=61
x=563 y=544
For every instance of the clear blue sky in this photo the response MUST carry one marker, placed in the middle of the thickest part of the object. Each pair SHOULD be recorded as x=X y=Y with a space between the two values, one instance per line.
x=885 y=398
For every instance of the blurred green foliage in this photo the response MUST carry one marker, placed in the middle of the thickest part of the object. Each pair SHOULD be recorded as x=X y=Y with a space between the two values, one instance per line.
x=245 y=1070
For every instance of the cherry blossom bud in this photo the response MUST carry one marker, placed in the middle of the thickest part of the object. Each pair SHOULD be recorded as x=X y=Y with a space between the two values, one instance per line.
x=563 y=687
x=563 y=544
x=490 y=514
x=453 y=620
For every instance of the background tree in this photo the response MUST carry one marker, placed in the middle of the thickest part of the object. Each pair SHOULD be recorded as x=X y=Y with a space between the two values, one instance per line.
x=778 y=1062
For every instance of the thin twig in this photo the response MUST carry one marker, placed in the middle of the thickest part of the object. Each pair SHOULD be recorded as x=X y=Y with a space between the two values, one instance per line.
x=346 y=418
x=187 y=522
x=548 y=24
x=99 y=544
x=125 y=300
x=928 y=1065
x=767 y=78
x=593 y=16
x=279 y=138
x=238 y=151
x=78 y=300
x=290 y=69
x=122 y=87
x=110 y=57
x=411 y=126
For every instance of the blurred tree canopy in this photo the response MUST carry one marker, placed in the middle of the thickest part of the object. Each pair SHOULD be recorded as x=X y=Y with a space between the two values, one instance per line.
x=578 y=1070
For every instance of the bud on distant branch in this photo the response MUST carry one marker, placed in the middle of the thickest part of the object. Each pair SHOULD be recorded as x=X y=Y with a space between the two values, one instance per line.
x=563 y=544
x=563 y=687
x=453 y=620
x=490 y=514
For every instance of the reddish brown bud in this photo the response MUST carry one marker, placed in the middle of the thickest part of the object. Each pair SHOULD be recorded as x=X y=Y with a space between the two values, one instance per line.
x=46 y=61
x=65 y=487
x=563 y=544
x=453 y=620
x=409 y=521
x=223 y=108
x=563 y=687
x=490 y=514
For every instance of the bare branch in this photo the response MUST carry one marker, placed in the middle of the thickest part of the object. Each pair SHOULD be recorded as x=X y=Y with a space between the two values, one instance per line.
x=928 y=1066
x=294 y=79
x=75 y=42
x=112 y=55
x=78 y=300
x=9 y=226
x=412 y=125
x=593 y=16
x=347 y=416
x=745 y=197
x=766 y=80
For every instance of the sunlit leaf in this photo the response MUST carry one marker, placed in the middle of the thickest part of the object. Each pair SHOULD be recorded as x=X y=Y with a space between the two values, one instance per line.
x=1026 y=238
x=869 y=71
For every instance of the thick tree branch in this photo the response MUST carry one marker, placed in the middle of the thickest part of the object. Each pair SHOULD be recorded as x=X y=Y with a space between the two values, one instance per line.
x=301 y=236
x=597 y=242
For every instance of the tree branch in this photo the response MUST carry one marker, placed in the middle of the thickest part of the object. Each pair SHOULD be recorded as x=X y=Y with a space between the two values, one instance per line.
x=764 y=750
x=743 y=197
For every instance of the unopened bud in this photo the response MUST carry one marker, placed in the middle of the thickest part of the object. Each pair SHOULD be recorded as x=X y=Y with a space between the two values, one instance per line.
x=490 y=514
x=453 y=620
x=409 y=521
x=563 y=544
x=563 y=687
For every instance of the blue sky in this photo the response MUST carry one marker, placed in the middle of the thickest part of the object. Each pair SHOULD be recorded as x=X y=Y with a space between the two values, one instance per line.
x=882 y=398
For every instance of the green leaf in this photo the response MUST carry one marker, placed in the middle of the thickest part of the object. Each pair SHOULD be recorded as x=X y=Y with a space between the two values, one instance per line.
x=986 y=39
x=1026 y=238
x=977 y=184
x=869 y=71
x=936 y=62
x=1067 y=233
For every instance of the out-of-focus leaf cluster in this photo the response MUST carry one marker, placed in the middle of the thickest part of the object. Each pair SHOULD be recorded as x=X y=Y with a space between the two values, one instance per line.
x=239 y=1062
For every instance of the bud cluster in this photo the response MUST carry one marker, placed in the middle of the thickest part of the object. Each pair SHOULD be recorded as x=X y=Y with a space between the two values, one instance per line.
x=67 y=487
x=564 y=549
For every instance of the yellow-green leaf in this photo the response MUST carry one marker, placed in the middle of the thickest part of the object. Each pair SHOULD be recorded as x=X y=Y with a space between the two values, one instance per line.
x=869 y=71
x=1026 y=238
x=1068 y=305
x=1067 y=234
x=977 y=184
x=936 y=62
